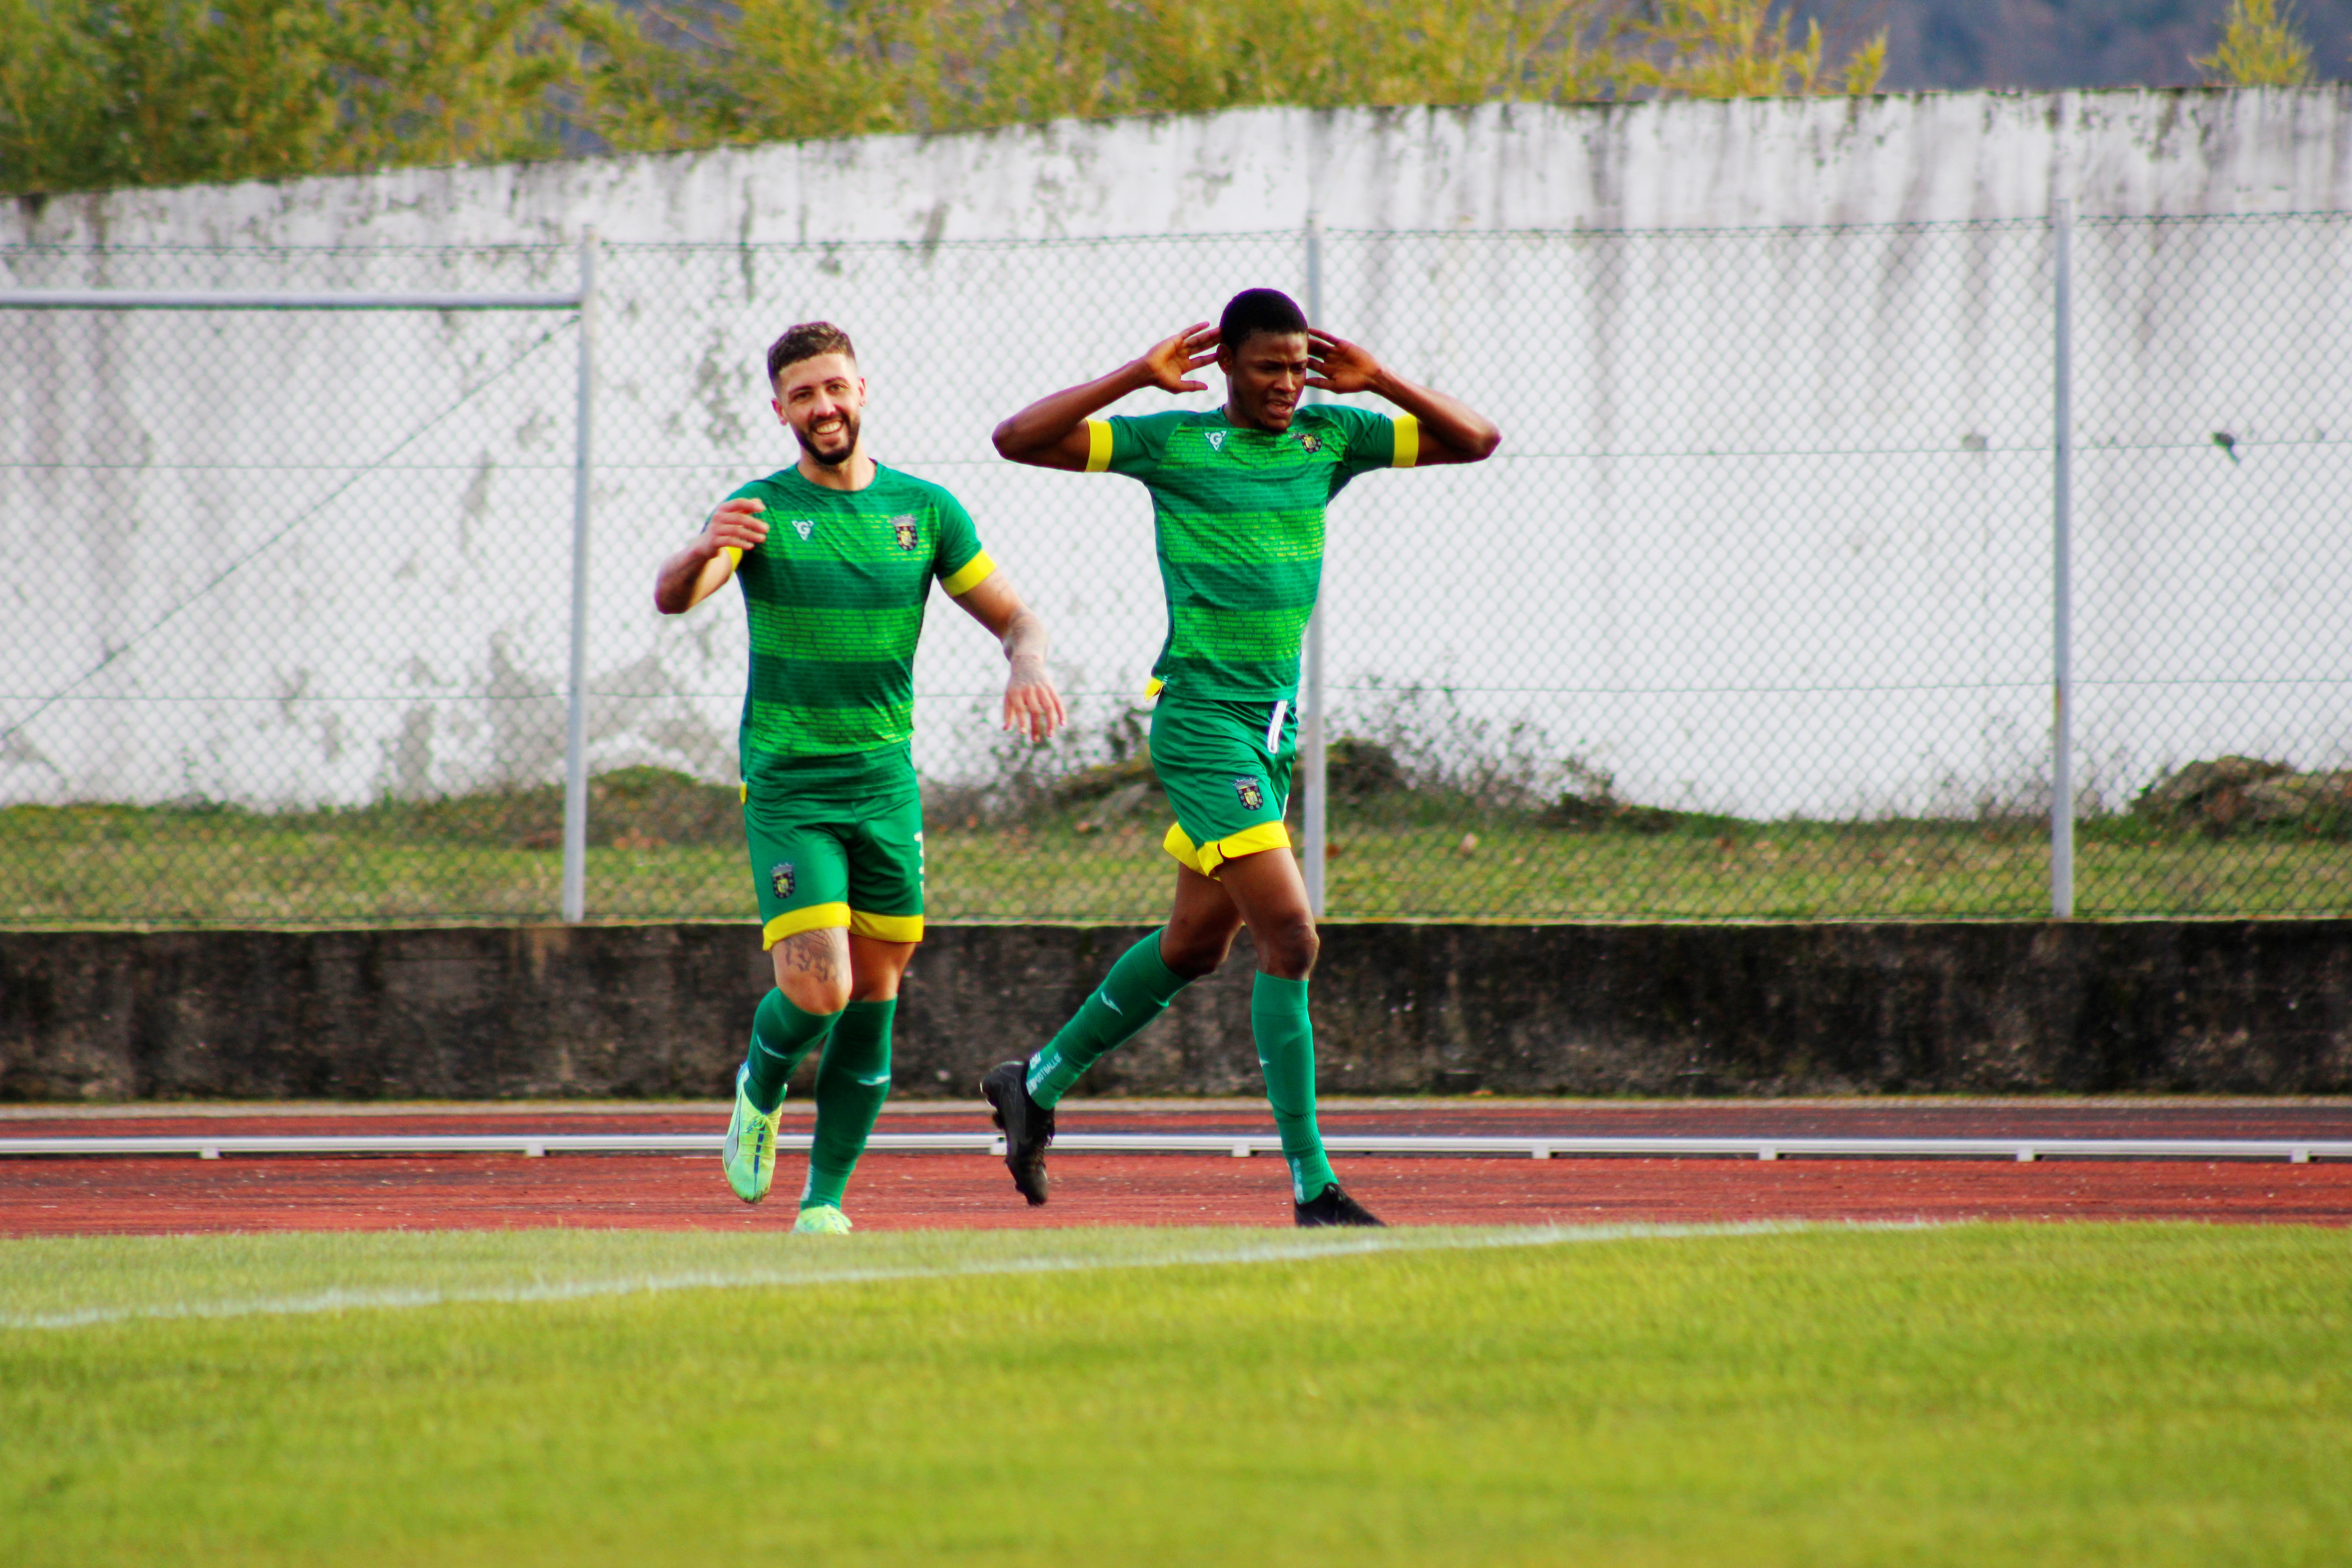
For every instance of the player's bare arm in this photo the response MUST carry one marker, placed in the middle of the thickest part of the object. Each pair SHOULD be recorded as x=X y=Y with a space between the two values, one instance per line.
x=702 y=568
x=1051 y=433
x=1451 y=430
x=1032 y=707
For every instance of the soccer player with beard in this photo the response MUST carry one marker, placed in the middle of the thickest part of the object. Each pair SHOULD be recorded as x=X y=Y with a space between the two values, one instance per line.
x=1238 y=496
x=836 y=556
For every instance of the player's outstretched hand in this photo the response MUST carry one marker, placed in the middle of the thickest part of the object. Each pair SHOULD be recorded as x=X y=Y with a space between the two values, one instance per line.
x=1338 y=365
x=736 y=525
x=1032 y=707
x=1172 y=361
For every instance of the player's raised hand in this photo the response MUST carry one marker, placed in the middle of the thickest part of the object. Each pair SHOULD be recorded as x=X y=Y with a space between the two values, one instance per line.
x=1338 y=365
x=1032 y=707
x=1170 y=361
x=735 y=525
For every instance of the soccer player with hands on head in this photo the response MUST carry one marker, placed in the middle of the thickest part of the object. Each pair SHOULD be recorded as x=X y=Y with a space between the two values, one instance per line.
x=1238 y=497
x=836 y=556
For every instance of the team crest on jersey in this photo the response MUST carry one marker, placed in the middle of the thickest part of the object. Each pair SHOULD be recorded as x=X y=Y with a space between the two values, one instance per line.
x=902 y=528
x=1310 y=443
x=804 y=526
x=1253 y=793
x=780 y=878
x=1216 y=440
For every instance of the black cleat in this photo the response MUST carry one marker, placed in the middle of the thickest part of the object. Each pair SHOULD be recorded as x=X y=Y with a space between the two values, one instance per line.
x=1332 y=1206
x=1028 y=1128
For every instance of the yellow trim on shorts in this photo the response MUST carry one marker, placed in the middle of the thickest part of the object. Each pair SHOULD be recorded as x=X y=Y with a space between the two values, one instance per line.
x=886 y=928
x=1097 y=446
x=815 y=917
x=969 y=575
x=1206 y=858
x=1407 y=442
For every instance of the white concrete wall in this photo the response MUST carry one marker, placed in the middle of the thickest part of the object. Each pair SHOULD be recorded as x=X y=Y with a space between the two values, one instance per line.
x=1768 y=532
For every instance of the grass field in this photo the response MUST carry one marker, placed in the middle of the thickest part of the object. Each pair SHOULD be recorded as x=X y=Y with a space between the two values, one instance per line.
x=64 y=865
x=2142 y=1395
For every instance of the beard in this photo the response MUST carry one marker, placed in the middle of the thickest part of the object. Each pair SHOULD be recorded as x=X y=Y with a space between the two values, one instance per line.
x=849 y=428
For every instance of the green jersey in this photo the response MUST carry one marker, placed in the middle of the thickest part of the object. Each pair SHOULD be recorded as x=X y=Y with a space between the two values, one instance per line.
x=834 y=595
x=1238 y=517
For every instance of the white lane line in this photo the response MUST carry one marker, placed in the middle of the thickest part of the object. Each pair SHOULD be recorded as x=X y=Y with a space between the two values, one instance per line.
x=1293 y=1251
x=1540 y=1146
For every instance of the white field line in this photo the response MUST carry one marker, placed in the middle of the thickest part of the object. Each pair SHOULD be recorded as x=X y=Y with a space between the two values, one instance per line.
x=1300 y=1250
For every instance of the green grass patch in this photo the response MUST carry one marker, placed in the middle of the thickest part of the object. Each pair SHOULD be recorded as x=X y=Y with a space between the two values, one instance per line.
x=2149 y=1395
x=676 y=853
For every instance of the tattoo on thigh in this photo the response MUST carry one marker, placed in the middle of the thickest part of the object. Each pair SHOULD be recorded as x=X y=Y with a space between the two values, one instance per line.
x=811 y=953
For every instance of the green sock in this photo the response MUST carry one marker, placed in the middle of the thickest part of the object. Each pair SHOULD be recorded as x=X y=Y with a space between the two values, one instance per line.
x=1285 y=1050
x=853 y=1080
x=780 y=1036
x=1137 y=990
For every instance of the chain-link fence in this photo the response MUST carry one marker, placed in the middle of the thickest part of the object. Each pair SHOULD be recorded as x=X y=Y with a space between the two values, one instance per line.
x=1751 y=616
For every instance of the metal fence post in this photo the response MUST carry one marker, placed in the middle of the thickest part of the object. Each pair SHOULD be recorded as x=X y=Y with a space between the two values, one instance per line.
x=2062 y=572
x=576 y=730
x=1313 y=773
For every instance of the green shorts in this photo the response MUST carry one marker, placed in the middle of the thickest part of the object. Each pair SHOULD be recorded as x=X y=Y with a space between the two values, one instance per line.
x=836 y=842
x=1226 y=768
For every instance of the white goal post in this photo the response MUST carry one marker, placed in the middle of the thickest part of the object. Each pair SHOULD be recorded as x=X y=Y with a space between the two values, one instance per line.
x=581 y=299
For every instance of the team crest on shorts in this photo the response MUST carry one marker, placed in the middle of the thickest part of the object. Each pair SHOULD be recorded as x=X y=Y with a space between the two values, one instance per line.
x=1310 y=443
x=1253 y=793
x=903 y=530
x=779 y=877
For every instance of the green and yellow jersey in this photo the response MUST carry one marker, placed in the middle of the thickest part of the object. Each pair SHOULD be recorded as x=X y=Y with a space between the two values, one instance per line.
x=1238 y=517
x=834 y=596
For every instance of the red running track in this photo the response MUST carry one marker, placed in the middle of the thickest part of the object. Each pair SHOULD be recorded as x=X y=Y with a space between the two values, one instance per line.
x=898 y=1192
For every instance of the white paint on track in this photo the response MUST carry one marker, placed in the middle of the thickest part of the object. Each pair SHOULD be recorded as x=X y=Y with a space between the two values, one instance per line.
x=1296 y=1249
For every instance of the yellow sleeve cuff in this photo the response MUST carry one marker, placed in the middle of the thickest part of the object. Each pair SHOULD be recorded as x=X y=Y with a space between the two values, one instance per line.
x=1407 y=442
x=969 y=575
x=1097 y=446
x=734 y=556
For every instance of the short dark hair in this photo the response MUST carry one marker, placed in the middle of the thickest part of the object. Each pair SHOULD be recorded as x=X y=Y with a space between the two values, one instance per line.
x=807 y=340
x=1258 y=310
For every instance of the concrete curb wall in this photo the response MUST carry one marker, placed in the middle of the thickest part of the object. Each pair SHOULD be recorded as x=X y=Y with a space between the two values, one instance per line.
x=2258 y=1007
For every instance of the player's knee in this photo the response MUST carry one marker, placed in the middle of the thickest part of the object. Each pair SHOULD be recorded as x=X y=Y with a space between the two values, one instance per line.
x=816 y=995
x=1194 y=955
x=1287 y=949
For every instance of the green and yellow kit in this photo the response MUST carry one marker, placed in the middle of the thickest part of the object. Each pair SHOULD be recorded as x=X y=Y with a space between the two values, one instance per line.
x=1238 y=520
x=834 y=596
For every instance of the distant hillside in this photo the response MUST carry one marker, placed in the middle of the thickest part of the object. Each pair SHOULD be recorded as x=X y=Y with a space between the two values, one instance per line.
x=2042 y=44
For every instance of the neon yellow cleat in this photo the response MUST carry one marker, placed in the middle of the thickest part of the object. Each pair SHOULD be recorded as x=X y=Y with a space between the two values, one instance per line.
x=821 y=1219
x=750 y=1151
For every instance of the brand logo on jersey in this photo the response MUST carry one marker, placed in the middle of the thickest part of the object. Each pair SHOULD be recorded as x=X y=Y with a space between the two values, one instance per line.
x=1310 y=443
x=779 y=877
x=1253 y=793
x=804 y=526
x=1216 y=440
x=903 y=530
